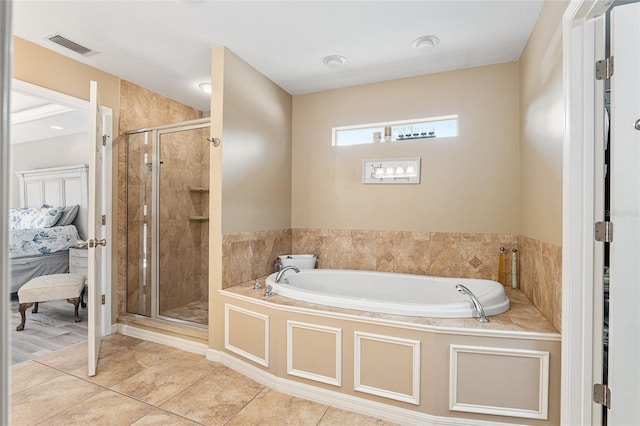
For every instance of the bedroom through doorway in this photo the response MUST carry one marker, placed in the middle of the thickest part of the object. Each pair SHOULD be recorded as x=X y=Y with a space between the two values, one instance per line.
x=49 y=140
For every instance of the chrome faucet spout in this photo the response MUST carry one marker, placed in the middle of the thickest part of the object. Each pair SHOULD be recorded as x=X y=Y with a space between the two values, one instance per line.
x=283 y=270
x=476 y=303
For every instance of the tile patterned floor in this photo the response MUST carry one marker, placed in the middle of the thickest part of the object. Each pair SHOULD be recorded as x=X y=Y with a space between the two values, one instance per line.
x=197 y=312
x=145 y=383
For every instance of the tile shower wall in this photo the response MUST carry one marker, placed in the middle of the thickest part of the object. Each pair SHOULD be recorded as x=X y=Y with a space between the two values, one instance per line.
x=184 y=202
x=140 y=108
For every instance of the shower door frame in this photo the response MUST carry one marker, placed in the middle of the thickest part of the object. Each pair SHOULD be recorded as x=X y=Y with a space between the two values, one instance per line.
x=156 y=133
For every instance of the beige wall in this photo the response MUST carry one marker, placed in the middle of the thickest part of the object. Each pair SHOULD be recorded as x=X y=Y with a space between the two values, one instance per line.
x=469 y=183
x=256 y=161
x=250 y=179
x=42 y=67
x=542 y=128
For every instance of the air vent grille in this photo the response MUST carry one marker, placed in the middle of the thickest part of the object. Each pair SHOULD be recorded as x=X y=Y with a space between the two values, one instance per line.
x=71 y=45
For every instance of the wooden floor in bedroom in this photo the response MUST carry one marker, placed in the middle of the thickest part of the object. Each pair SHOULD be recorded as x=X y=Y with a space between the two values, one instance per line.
x=51 y=329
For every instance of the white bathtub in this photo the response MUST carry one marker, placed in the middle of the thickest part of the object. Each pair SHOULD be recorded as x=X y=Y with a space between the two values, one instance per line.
x=401 y=294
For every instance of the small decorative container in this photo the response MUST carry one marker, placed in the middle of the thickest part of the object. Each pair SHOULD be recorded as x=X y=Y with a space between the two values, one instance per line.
x=301 y=261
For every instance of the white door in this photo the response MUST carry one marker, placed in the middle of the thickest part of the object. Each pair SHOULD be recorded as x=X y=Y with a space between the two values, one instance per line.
x=624 y=305
x=95 y=237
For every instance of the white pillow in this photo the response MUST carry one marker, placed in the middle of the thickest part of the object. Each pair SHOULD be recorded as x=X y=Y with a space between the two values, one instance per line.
x=29 y=218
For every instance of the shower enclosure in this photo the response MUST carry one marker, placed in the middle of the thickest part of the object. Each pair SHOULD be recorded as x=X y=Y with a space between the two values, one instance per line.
x=167 y=180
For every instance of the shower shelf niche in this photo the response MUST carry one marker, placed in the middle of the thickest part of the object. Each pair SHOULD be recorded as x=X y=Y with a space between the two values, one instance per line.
x=198 y=190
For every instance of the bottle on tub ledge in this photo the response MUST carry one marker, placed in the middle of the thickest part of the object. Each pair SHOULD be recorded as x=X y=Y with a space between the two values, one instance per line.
x=502 y=273
x=514 y=268
x=277 y=265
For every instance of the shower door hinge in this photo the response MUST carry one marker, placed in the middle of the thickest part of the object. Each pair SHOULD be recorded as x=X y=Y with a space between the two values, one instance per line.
x=604 y=232
x=604 y=68
x=104 y=219
x=104 y=140
x=602 y=395
x=103 y=299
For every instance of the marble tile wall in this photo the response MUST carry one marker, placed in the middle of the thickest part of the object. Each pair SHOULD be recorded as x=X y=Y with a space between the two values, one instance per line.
x=431 y=253
x=181 y=220
x=140 y=108
x=249 y=255
x=541 y=277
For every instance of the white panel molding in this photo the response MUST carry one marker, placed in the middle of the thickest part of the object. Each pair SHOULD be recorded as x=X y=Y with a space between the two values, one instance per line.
x=339 y=400
x=163 y=339
x=336 y=380
x=265 y=318
x=543 y=397
x=458 y=331
x=414 y=397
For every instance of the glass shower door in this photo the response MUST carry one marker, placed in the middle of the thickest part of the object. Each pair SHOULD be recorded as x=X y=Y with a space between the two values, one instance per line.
x=140 y=184
x=167 y=180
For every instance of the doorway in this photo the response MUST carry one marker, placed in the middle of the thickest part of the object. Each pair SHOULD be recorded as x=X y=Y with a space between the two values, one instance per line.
x=56 y=127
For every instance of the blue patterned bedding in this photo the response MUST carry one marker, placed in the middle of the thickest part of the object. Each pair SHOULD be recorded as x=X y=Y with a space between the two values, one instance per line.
x=29 y=242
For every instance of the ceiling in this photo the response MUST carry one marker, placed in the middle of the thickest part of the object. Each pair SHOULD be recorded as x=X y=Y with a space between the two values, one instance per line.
x=165 y=45
x=34 y=119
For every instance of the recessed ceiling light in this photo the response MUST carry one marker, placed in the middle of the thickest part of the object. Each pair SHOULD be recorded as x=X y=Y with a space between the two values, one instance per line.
x=425 y=43
x=57 y=127
x=205 y=87
x=334 y=61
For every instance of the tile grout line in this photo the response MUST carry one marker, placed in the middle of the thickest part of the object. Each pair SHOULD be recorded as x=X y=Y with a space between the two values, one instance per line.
x=245 y=405
x=323 y=414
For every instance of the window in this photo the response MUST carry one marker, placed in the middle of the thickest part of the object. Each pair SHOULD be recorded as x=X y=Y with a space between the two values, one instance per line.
x=396 y=131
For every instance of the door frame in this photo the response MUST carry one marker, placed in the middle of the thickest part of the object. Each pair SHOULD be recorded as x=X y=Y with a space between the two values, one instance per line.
x=77 y=103
x=5 y=88
x=580 y=307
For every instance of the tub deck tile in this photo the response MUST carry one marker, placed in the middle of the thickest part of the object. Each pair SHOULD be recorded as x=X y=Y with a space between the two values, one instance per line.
x=522 y=315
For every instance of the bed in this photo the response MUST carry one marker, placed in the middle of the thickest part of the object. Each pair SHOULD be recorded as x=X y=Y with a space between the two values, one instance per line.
x=51 y=218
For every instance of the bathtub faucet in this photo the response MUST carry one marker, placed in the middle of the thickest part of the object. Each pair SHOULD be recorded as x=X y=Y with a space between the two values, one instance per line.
x=476 y=303
x=283 y=270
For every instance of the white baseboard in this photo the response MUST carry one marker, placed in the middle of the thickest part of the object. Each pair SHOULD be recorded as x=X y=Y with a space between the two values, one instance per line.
x=152 y=336
x=335 y=399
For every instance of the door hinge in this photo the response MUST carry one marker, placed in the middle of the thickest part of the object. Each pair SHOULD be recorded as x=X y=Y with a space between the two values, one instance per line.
x=103 y=299
x=604 y=68
x=604 y=232
x=602 y=395
x=104 y=140
x=104 y=219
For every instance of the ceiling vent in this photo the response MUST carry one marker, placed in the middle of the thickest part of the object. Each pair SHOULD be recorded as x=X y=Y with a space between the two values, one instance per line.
x=71 y=45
